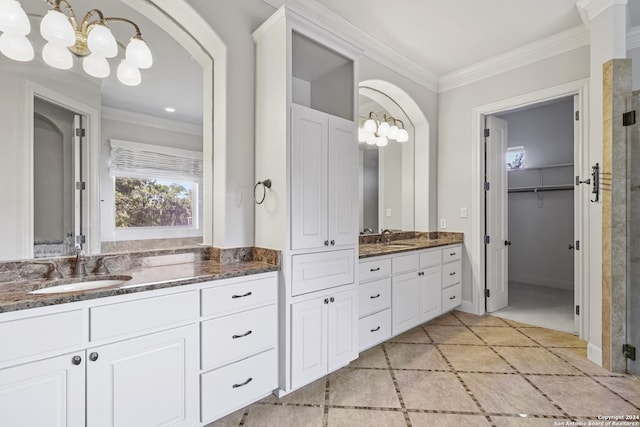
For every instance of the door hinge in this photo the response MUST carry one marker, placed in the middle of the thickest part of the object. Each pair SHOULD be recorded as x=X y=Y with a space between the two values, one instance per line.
x=577 y=115
x=577 y=310
x=577 y=247
x=80 y=132
x=487 y=132
x=629 y=351
x=629 y=118
x=487 y=186
x=81 y=239
x=487 y=240
x=80 y=185
x=487 y=293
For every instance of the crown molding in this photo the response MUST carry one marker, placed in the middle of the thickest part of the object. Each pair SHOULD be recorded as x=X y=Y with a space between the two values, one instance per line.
x=533 y=52
x=150 y=121
x=372 y=48
x=589 y=9
x=633 y=38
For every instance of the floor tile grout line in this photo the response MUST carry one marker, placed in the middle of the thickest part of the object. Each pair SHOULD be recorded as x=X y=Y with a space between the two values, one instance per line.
x=327 y=393
x=518 y=371
x=460 y=380
x=403 y=407
x=243 y=419
x=464 y=371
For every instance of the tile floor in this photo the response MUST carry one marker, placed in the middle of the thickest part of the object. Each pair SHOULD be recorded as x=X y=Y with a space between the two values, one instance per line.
x=458 y=370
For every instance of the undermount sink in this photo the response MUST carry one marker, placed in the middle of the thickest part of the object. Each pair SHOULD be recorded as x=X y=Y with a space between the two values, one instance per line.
x=82 y=284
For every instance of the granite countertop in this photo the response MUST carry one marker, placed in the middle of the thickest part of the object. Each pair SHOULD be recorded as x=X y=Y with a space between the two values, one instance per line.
x=15 y=295
x=372 y=245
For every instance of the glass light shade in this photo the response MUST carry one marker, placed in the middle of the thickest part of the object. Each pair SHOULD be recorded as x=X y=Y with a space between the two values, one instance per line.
x=13 y=19
x=371 y=139
x=403 y=135
x=16 y=47
x=128 y=74
x=138 y=53
x=55 y=27
x=381 y=141
x=362 y=135
x=101 y=41
x=393 y=132
x=370 y=126
x=96 y=66
x=57 y=56
x=383 y=129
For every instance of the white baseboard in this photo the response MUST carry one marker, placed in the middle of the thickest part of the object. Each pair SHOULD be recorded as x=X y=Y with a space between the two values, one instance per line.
x=594 y=354
x=467 y=307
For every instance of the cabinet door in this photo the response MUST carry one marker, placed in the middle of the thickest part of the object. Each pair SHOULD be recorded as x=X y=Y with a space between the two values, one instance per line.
x=430 y=293
x=343 y=329
x=308 y=178
x=308 y=341
x=46 y=393
x=146 y=381
x=405 y=307
x=343 y=189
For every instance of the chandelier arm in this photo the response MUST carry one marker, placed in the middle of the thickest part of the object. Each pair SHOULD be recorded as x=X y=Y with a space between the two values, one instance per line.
x=55 y=5
x=116 y=19
x=86 y=24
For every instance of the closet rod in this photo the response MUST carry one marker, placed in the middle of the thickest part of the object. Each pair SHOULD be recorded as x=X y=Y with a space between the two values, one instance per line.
x=541 y=188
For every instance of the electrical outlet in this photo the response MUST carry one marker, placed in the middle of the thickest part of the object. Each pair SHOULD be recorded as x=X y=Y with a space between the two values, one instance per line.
x=464 y=213
x=443 y=223
x=388 y=212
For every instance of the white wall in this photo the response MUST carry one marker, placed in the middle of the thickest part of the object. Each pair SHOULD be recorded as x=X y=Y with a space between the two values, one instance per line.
x=455 y=139
x=541 y=224
x=634 y=54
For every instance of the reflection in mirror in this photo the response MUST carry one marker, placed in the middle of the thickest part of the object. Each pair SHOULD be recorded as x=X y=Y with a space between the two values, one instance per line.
x=51 y=206
x=386 y=172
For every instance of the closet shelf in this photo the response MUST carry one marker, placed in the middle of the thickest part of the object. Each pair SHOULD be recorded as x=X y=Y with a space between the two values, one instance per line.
x=564 y=165
x=539 y=188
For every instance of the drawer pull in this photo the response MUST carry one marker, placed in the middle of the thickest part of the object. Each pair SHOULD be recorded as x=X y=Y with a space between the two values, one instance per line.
x=374 y=296
x=241 y=296
x=249 y=332
x=376 y=329
x=453 y=297
x=452 y=274
x=452 y=254
x=374 y=269
x=242 y=384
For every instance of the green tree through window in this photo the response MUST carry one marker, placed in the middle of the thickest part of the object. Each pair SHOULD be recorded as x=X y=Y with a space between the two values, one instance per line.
x=153 y=203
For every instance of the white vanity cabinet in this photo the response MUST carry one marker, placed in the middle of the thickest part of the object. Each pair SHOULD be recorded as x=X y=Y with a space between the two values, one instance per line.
x=451 y=277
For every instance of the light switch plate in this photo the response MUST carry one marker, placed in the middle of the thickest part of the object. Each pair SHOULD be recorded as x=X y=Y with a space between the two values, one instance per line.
x=464 y=213
x=388 y=212
x=443 y=223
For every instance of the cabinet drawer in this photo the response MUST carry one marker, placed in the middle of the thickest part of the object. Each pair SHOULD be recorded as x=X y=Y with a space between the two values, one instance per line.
x=431 y=258
x=374 y=296
x=40 y=334
x=235 y=386
x=451 y=297
x=240 y=335
x=405 y=263
x=374 y=269
x=374 y=329
x=451 y=253
x=314 y=272
x=239 y=296
x=451 y=274
x=141 y=315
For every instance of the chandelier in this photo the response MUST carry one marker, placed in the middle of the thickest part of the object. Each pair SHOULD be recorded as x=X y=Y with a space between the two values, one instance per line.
x=89 y=39
x=379 y=132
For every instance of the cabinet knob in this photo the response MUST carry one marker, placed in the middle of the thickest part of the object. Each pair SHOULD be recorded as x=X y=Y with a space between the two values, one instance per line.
x=333 y=242
x=420 y=273
x=76 y=360
x=452 y=274
x=326 y=300
x=453 y=297
x=93 y=356
x=332 y=299
x=326 y=243
x=507 y=242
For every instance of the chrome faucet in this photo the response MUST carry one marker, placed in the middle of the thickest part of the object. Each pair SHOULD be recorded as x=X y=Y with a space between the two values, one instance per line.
x=101 y=265
x=367 y=230
x=52 y=271
x=79 y=268
x=386 y=235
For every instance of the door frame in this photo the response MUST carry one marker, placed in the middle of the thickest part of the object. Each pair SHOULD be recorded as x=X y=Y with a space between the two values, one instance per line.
x=478 y=266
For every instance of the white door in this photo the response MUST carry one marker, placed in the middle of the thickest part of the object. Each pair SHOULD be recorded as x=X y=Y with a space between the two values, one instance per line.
x=405 y=308
x=46 y=393
x=309 y=141
x=430 y=293
x=146 y=381
x=497 y=279
x=343 y=330
x=578 y=220
x=343 y=191
x=308 y=341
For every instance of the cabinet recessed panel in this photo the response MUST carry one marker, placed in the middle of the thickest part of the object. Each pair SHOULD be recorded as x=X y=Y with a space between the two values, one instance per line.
x=343 y=194
x=314 y=272
x=308 y=341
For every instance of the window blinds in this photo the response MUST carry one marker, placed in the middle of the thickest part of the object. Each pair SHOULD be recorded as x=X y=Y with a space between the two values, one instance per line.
x=136 y=160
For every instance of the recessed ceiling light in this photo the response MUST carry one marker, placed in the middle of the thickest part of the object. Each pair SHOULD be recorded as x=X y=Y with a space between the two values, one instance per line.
x=170 y=110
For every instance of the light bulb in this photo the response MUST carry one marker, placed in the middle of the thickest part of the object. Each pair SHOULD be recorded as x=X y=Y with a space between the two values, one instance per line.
x=16 y=47
x=362 y=135
x=403 y=135
x=55 y=27
x=101 y=41
x=13 y=19
x=393 y=132
x=57 y=56
x=370 y=126
x=371 y=139
x=383 y=129
x=128 y=74
x=381 y=141
x=96 y=66
x=138 y=53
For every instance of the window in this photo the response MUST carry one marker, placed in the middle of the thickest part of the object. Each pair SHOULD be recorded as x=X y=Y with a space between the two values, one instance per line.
x=515 y=158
